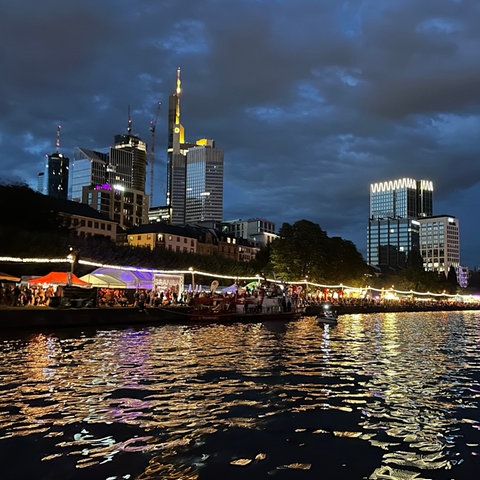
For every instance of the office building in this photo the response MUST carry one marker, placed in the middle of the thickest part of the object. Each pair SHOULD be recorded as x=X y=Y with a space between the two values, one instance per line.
x=89 y=168
x=176 y=158
x=57 y=175
x=41 y=183
x=54 y=180
x=113 y=182
x=194 y=172
x=204 y=183
x=394 y=229
x=257 y=230
x=405 y=198
x=440 y=243
x=128 y=162
x=391 y=240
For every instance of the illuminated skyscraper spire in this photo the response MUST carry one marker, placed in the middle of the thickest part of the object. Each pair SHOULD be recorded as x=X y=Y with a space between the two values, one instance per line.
x=193 y=167
x=178 y=91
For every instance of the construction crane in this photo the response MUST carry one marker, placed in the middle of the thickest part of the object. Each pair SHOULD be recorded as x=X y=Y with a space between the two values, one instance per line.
x=153 y=126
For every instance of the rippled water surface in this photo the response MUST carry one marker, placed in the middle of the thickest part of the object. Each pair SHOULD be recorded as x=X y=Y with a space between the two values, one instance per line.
x=387 y=396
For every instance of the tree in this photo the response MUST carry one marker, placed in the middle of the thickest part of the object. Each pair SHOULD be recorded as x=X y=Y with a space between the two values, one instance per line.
x=305 y=250
x=345 y=263
x=452 y=279
x=300 y=251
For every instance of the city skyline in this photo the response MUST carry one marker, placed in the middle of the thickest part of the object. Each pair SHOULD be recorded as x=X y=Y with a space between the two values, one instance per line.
x=311 y=103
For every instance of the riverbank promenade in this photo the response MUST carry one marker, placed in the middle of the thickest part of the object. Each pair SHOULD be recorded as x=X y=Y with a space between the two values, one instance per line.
x=41 y=317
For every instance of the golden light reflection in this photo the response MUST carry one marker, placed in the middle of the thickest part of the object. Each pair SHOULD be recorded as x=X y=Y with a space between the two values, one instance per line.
x=392 y=380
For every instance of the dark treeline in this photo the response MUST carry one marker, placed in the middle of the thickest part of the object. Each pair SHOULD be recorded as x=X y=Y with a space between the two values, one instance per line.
x=30 y=226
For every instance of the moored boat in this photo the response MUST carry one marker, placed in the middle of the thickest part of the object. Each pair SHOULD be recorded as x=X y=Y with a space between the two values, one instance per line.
x=327 y=315
x=228 y=309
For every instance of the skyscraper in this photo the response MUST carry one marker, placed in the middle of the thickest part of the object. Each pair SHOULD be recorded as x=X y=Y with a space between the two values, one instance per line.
x=113 y=183
x=56 y=173
x=128 y=162
x=406 y=198
x=204 y=183
x=176 y=158
x=440 y=243
x=89 y=168
x=393 y=228
x=194 y=172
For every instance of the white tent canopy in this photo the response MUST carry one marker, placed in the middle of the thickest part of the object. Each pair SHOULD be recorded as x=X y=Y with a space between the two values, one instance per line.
x=230 y=289
x=105 y=277
x=109 y=277
x=101 y=280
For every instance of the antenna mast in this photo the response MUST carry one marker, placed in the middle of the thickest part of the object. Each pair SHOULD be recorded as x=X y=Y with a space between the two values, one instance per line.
x=129 y=125
x=178 y=91
x=57 y=144
x=153 y=126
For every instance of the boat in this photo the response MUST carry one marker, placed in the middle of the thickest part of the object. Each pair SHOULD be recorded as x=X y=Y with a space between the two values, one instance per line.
x=327 y=315
x=230 y=309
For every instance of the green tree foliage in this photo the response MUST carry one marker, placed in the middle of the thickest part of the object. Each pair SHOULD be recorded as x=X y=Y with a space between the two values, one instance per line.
x=452 y=282
x=345 y=263
x=29 y=223
x=300 y=251
x=305 y=250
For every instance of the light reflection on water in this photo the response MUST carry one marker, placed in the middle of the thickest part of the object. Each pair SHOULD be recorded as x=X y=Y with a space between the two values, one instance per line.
x=377 y=396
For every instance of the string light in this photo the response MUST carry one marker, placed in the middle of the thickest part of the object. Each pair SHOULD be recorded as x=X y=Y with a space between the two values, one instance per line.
x=304 y=281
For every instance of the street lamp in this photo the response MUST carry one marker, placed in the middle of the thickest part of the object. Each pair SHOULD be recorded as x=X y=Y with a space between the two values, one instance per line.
x=71 y=257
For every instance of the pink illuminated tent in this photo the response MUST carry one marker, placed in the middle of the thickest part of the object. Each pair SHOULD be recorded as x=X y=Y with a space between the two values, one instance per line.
x=59 y=279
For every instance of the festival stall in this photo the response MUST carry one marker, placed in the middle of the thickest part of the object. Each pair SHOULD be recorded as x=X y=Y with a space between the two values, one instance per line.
x=57 y=279
x=64 y=288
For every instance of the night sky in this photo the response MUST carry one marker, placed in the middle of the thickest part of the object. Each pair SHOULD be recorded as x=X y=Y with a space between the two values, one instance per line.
x=311 y=100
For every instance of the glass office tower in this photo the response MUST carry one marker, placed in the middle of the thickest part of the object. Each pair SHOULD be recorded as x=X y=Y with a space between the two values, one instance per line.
x=393 y=228
x=113 y=183
x=57 y=175
x=194 y=172
x=204 y=183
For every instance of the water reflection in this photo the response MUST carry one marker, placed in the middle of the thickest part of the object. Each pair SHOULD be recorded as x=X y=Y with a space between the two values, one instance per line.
x=383 y=396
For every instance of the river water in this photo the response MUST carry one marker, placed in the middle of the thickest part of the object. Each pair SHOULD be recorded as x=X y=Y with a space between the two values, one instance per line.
x=383 y=396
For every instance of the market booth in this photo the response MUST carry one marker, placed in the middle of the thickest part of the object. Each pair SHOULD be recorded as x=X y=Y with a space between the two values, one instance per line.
x=62 y=287
x=59 y=279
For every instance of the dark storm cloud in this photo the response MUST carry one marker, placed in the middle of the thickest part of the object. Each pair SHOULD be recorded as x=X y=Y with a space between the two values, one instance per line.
x=311 y=101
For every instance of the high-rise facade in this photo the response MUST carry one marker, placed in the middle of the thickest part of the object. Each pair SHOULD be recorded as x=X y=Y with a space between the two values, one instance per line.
x=194 y=172
x=204 y=183
x=440 y=243
x=89 y=168
x=405 y=198
x=176 y=158
x=394 y=229
x=53 y=181
x=113 y=182
x=57 y=175
x=257 y=230
x=128 y=162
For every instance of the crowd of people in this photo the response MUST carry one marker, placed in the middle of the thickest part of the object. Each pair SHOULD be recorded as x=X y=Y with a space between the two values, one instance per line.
x=14 y=295
x=250 y=296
